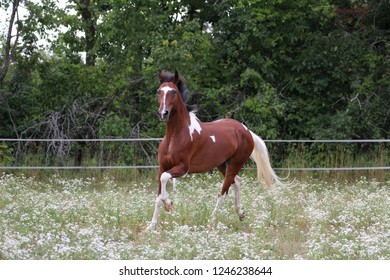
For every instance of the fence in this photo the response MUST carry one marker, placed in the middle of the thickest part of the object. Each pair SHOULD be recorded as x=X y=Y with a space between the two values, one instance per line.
x=159 y=139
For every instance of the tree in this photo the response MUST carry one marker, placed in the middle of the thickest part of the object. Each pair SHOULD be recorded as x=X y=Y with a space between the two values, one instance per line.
x=9 y=46
x=288 y=69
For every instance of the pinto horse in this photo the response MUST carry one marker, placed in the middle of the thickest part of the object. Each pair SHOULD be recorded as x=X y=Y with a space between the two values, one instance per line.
x=192 y=146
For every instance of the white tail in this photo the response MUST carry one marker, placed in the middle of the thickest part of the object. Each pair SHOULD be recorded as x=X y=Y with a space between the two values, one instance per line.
x=265 y=173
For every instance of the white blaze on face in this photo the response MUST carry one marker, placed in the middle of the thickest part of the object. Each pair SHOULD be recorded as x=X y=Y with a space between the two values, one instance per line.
x=165 y=90
x=194 y=125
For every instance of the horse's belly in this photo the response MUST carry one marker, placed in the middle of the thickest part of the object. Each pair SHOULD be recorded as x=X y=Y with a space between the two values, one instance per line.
x=203 y=162
x=200 y=168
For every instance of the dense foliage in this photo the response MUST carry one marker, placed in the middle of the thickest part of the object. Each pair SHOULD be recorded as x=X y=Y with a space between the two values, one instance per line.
x=288 y=69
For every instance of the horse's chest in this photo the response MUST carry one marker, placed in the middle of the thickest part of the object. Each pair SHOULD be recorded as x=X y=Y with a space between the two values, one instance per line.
x=172 y=152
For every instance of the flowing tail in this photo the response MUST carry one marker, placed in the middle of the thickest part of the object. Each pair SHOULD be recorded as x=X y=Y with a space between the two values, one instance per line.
x=265 y=173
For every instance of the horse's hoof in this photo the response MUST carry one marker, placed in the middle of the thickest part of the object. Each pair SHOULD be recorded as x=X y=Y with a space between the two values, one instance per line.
x=150 y=227
x=168 y=206
x=241 y=216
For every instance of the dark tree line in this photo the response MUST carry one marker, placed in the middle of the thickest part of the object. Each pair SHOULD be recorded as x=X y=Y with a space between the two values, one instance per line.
x=288 y=69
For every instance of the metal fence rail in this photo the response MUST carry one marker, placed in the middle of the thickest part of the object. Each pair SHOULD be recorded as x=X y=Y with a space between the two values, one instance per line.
x=159 y=139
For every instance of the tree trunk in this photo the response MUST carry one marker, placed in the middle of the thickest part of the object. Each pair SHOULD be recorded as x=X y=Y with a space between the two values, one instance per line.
x=89 y=25
x=8 y=50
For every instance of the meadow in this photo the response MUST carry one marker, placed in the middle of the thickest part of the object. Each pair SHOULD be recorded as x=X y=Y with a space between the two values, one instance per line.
x=102 y=218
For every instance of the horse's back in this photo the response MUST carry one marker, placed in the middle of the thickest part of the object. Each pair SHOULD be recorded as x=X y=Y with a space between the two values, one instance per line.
x=229 y=129
x=227 y=124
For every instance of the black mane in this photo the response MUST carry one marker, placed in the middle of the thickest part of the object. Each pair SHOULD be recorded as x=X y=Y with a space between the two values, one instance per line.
x=166 y=76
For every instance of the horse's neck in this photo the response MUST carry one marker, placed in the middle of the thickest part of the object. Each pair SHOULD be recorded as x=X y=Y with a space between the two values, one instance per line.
x=178 y=123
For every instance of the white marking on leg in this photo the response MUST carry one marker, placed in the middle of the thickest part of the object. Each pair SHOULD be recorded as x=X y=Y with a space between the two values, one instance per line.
x=220 y=200
x=174 y=179
x=236 y=188
x=162 y=199
x=164 y=178
x=212 y=138
x=194 y=125
x=174 y=183
x=156 y=214
x=164 y=194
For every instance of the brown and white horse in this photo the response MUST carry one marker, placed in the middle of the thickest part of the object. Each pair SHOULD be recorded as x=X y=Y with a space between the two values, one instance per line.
x=192 y=146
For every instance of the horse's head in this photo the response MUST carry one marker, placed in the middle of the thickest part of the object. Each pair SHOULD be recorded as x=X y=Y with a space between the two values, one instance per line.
x=167 y=93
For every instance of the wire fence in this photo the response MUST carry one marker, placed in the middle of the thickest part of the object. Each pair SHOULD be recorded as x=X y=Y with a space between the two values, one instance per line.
x=159 y=139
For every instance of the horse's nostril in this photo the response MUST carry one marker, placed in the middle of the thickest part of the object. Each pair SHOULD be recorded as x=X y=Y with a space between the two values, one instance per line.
x=163 y=115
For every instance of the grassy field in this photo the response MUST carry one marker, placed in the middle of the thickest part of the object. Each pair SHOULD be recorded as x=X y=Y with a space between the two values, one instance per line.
x=101 y=218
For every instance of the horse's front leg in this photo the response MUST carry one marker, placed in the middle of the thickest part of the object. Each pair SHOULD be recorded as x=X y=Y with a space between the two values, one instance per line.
x=162 y=198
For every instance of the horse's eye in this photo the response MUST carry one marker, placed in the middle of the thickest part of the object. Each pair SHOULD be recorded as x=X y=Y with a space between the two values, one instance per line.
x=158 y=91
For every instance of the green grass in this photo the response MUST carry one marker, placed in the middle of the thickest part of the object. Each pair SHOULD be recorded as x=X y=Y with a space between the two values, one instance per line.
x=103 y=218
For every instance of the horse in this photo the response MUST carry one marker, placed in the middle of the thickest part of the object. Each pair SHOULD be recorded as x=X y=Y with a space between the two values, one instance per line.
x=192 y=146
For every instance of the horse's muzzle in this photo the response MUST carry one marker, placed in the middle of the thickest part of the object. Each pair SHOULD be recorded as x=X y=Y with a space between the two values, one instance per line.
x=163 y=115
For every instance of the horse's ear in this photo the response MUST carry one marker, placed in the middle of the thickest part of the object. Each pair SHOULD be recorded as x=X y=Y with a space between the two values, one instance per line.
x=176 y=78
x=161 y=76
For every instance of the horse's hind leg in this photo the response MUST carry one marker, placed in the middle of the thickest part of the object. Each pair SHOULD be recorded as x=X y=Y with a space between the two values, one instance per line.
x=221 y=195
x=230 y=170
x=231 y=179
x=221 y=198
x=237 y=203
